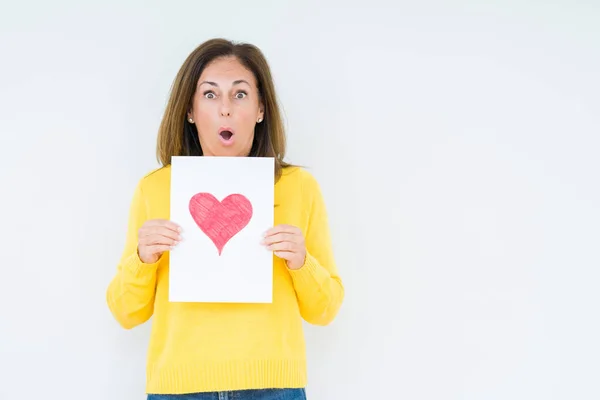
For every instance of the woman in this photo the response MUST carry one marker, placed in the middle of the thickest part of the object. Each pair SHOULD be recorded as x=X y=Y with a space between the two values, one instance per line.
x=210 y=350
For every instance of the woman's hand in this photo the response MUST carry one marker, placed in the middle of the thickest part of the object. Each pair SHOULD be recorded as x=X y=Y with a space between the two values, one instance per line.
x=155 y=237
x=286 y=242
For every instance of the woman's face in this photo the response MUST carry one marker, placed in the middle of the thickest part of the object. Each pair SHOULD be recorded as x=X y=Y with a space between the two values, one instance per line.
x=226 y=107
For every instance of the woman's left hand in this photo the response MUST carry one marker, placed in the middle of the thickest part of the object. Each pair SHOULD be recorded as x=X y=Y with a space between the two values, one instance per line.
x=286 y=242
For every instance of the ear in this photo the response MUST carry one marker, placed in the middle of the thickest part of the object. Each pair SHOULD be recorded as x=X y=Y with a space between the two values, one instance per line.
x=261 y=112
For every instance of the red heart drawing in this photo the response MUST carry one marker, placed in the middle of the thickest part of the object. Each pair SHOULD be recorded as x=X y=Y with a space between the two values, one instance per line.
x=220 y=221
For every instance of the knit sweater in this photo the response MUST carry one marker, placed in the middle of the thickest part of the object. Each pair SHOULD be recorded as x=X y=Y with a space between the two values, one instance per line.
x=199 y=347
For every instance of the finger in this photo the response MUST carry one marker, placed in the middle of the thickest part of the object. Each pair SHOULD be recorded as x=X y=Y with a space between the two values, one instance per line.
x=164 y=223
x=161 y=231
x=282 y=228
x=282 y=237
x=286 y=255
x=159 y=249
x=168 y=233
x=283 y=246
x=158 y=240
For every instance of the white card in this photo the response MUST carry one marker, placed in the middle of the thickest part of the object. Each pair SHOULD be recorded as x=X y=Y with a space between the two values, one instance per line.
x=224 y=205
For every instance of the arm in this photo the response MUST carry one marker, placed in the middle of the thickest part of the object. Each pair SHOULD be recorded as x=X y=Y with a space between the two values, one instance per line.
x=130 y=294
x=318 y=286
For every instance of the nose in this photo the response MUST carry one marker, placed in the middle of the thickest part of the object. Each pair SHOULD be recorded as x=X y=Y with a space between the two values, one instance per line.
x=225 y=109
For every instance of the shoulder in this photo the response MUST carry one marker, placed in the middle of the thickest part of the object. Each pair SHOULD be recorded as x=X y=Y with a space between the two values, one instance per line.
x=299 y=176
x=302 y=192
x=157 y=178
x=301 y=183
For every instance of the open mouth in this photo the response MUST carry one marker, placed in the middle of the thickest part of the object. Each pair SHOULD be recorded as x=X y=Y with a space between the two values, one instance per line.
x=226 y=135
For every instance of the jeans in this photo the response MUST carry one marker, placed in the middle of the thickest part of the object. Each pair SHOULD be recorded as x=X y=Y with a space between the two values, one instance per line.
x=255 y=394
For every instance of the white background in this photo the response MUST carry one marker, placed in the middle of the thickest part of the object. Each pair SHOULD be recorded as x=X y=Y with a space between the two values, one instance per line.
x=243 y=272
x=456 y=144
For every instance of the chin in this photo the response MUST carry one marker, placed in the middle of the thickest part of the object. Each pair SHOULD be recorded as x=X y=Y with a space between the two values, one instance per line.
x=229 y=148
x=231 y=152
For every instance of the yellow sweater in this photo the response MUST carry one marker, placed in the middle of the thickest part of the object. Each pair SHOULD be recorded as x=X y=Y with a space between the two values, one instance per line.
x=197 y=347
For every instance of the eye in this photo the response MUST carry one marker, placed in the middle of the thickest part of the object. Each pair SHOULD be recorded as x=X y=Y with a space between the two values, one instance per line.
x=209 y=94
x=241 y=94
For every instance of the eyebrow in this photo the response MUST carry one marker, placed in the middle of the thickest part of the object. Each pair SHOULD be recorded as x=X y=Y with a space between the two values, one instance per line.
x=236 y=82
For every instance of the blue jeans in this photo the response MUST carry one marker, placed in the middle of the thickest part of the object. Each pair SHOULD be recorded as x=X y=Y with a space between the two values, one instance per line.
x=255 y=394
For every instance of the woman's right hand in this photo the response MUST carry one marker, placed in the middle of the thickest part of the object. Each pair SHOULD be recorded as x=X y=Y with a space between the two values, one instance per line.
x=155 y=237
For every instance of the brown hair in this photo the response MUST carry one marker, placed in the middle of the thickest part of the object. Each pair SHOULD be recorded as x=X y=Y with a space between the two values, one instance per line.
x=178 y=137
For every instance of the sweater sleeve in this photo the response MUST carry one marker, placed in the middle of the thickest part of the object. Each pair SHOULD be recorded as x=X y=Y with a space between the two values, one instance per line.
x=130 y=294
x=318 y=286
